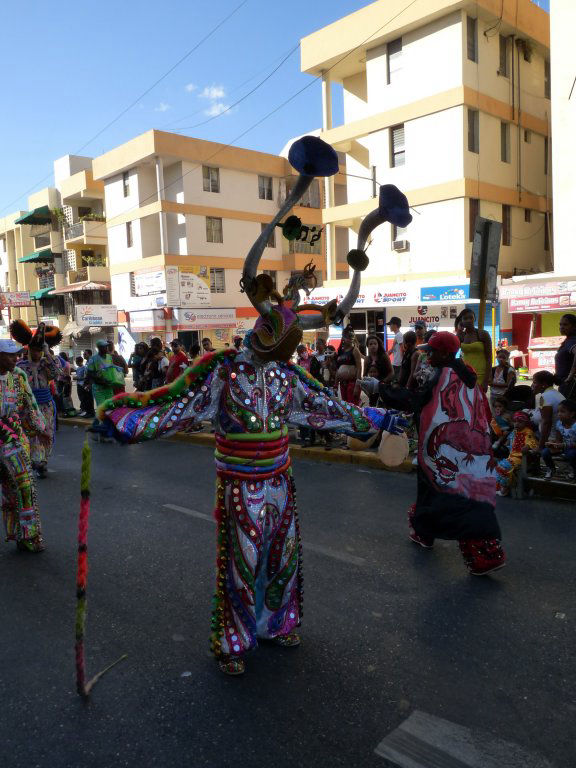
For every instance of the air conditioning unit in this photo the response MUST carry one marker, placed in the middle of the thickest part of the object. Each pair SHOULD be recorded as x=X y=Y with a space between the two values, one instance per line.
x=400 y=245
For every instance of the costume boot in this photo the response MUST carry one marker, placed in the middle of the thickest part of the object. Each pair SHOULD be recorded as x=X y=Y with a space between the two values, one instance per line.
x=424 y=543
x=482 y=556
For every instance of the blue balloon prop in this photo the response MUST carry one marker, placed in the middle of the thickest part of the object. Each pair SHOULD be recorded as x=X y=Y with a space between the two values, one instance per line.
x=311 y=156
x=393 y=205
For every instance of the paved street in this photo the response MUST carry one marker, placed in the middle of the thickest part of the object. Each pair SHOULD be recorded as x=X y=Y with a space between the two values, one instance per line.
x=388 y=628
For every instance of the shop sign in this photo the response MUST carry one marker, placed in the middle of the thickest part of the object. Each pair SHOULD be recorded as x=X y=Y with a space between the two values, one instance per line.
x=555 y=288
x=148 y=320
x=15 y=299
x=371 y=296
x=445 y=293
x=96 y=314
x=147 y=283
x=203 y=319
x=188 y=287
x=541 y=360
x=139 y=303
x=542 y=303
x=546 y=342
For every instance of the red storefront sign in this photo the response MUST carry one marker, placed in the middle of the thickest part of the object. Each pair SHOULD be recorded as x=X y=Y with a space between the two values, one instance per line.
x=541 y=303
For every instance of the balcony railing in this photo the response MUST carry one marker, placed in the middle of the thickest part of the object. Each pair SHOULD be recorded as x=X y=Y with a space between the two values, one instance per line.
x=76 y=230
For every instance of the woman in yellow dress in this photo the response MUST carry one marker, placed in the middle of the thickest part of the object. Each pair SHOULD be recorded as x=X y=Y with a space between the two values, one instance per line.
x=476 y=346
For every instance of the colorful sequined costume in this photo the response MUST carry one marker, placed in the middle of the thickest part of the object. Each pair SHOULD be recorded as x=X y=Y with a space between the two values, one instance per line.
x=20 y=418
x=40 y=375
x=507 y=468
x=250 y=397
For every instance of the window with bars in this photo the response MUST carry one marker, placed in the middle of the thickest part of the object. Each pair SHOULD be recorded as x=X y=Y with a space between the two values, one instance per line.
x=126 y=183
x=393 y=60
x=505 y=142
x=129 y=235
x=217 y=280
x=473 y=131
x=132 y=284
x=473 y=213
x=210 y=179
x=214 y=230
x=265 y=189
x=527 y=215
x=299 y=246
x=506 y=225
x=397 y=147
x=504 y=68
x=272 y=237
x=472 y=38
x=273 y=274
x=310 y=198
x=547 y=79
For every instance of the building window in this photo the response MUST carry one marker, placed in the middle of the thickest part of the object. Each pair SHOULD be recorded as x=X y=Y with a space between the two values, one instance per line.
x=211 y=179
x=398 y=233
x=473 y=131
x=472 y=38
x=214 y=230
x=272 y=237
x=527 y=215
x=299 y=246
x=393 y=60
x=505 y=142
x=547 y=79
x=265 y=187
x=397 y=152
x=473 y=213
x=126 y=183
x=527 y=136
x=273 y=274
x=129 y=238
x=506 y=225
x=217 y=280
x=545 y=155
x=503 y=69
x=546 y=232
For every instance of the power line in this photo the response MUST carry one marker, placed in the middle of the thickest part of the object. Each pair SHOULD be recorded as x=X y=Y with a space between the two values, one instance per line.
x=188 y=53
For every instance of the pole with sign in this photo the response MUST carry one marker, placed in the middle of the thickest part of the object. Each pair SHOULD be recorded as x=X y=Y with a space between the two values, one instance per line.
x=484 y=264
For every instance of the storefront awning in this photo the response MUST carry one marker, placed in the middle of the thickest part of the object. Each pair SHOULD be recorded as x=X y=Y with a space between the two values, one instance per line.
x=46 y=256
x=42 y=215
x=41 y=293
x=85 y=285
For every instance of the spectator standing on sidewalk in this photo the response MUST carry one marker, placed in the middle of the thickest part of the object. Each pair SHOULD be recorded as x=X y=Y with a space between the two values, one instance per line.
x=178 y=362
x=349 y=367
x=475 y=345
x=407 y=366
x=565 y=360
x=547 y=401
x=207 y=345
x=84 y=392
x=398 y=346
x=155 y=366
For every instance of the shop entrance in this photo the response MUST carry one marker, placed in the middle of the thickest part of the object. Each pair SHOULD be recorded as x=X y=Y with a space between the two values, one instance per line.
x=189 y=338
x=367 y=322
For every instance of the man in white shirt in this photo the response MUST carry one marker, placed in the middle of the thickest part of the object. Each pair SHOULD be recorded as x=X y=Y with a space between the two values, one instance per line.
x=398 y=347
x=547 y=401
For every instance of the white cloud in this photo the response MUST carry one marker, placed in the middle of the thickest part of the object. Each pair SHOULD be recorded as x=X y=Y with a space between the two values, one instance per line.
x=216 y=108
x=162 y=107
x=213 y=92
x=190 y=87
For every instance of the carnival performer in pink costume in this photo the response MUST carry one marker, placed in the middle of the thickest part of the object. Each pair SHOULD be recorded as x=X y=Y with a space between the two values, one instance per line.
x=251 y=396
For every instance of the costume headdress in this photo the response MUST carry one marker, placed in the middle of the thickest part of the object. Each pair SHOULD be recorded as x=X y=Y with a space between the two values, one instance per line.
x=279 y=328
x=49 y=334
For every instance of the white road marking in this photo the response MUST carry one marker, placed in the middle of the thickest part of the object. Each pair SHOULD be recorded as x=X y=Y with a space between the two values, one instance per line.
x=335 y=554
x=424 y=740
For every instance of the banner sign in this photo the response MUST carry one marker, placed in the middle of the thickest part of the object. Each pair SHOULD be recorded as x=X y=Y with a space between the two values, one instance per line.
x=555 y=288
x=542 y=303
x=377 y=295
x=147 y=283
x=445 y=293
x=15 y=299
x=96 y=314
x=203 y=319
x=188 y=287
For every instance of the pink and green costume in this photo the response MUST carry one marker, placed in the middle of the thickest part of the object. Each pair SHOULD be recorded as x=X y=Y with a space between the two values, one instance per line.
x=250 y=402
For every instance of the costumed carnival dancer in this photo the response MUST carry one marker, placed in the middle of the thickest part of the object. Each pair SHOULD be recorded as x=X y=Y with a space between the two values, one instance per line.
x=456 y=468
x=42 y=368
x=20 y=420
x=250 y=396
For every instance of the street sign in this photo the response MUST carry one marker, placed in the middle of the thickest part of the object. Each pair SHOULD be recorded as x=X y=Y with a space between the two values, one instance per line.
x=15 y=299
x=484 y=264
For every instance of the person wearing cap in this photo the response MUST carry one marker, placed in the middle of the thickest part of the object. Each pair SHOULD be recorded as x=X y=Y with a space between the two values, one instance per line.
x=397 y=350
x=106 y=378
x=521 y=440
x=457 y=480
x=20 y=419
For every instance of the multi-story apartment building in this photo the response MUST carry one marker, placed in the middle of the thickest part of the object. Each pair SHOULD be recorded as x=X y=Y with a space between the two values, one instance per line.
x=57 y=251
x=182 y=214
x=450 y=101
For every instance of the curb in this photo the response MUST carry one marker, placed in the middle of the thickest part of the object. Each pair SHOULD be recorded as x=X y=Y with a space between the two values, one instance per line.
x=335 y=456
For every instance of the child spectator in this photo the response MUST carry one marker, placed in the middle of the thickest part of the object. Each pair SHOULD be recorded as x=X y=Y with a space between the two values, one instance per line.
x=500 y=427
x=521 y=440
x=564 y=439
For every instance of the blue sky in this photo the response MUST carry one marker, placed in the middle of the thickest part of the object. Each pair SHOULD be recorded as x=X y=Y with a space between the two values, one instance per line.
x=67 y=70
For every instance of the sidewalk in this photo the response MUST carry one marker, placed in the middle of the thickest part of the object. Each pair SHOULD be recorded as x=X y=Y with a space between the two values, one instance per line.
x=367 y=459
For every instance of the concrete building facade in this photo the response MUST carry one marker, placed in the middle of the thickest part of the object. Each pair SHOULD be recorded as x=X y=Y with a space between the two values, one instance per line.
x=450 y=101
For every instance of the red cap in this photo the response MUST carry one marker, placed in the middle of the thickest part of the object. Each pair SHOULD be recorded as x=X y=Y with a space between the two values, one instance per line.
x=442 y=341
